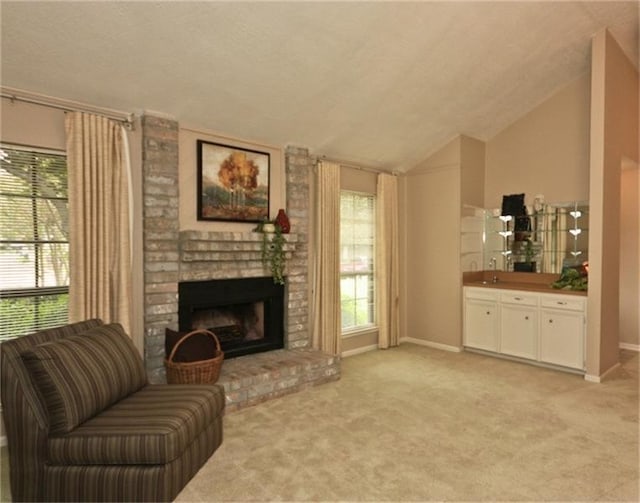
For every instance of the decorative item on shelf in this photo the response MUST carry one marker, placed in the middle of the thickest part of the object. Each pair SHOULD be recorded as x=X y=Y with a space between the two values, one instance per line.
x=576 y=231
x=573 y=278
x=273 y=253
x=282 y=220
x=529 y=252
x=265 y=226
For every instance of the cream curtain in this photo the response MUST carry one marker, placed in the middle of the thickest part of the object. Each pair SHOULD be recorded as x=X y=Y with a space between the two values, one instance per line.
x=99 y=219
x=387 y=263
x=326 y=280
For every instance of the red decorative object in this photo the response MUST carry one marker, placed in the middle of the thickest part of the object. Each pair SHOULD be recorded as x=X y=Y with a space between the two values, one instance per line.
x=282 y=221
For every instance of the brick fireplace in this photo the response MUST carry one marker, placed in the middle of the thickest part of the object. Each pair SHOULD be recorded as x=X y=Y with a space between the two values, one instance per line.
x=173 y=256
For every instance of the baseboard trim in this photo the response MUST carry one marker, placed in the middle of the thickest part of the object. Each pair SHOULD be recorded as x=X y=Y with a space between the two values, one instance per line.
x=630 y=347
x=429 y=344
x=357 y=351
x=603 y=376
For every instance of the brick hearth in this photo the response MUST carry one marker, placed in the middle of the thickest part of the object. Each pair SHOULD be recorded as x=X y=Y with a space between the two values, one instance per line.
x=249 y=380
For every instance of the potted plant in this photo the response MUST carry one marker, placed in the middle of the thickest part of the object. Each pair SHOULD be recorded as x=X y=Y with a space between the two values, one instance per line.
x=273 y=253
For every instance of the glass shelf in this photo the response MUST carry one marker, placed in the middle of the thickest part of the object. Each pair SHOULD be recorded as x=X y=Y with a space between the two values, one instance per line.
x=542 y=231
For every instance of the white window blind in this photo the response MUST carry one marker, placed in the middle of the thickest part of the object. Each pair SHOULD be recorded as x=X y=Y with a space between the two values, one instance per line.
x=34 y=243
x=357 y=238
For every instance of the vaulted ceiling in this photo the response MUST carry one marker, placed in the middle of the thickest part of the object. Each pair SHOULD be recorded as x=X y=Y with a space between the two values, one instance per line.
x=382 y=84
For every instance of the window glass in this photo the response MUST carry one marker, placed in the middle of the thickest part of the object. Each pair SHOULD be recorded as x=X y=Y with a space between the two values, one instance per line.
x=34 y=242
x=357 y=237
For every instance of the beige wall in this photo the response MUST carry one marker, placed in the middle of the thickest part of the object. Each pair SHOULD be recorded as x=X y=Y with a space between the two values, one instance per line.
x=614 y=136
x=472 y=163
x=33 y=125
x=544 y=152
x=188 y=181
x=431 y=222
x=630 y=255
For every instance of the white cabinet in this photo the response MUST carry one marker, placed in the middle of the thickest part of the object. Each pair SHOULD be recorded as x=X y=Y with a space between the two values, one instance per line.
x=481 y=324
x=562 y=331
x=519 y=325
x=481 y=319
x=542 y=327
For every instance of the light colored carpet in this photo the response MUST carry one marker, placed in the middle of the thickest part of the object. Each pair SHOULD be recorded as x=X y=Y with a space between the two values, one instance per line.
x=419 y=424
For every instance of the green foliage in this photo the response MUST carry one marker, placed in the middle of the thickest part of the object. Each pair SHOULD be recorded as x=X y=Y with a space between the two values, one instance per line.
x=273 y=254
x=25 y=315
x=571 y=279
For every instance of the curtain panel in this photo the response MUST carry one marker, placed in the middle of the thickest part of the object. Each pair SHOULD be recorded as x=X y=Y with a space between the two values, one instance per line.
x=99 y=219
x=387 y=262
x=326 y=273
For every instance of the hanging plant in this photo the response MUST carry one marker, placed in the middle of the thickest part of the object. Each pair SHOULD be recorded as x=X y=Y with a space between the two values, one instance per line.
x=273 y=254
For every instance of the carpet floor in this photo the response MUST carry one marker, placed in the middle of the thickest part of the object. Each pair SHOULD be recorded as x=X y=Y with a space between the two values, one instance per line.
x=418 y=424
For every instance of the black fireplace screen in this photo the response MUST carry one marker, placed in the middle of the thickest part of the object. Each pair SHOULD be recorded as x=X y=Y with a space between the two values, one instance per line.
x=247 y=315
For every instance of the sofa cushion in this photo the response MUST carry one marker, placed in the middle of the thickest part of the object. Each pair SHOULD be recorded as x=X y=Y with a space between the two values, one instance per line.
x=81 y=375
x=152 y=426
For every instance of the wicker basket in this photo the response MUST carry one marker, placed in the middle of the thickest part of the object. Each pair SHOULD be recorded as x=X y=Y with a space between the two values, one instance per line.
x=199 y=372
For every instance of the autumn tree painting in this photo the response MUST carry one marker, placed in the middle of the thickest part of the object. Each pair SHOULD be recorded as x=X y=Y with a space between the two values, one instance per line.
x=233 y=183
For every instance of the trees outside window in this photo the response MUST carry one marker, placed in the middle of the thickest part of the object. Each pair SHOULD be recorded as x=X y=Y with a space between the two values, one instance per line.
x=34 y=240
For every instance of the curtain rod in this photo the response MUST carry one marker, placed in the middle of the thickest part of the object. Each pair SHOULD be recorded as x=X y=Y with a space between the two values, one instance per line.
x=354 y=166
x=68 y=106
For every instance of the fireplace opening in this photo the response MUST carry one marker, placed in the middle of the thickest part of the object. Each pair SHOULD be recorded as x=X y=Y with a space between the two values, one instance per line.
x=247 y=315
x=236 y=323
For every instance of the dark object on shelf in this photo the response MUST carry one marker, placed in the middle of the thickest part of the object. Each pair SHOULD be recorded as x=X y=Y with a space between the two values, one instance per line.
x=513 y=204
x=523 y=223
x=524 y=267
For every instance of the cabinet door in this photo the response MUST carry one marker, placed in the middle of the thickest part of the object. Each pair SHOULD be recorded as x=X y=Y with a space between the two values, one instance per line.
x=519 y=331
x=481 y=324
x=562 y=338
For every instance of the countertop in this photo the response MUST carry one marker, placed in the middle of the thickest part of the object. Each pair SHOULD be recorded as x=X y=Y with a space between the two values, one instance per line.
x=532 y=282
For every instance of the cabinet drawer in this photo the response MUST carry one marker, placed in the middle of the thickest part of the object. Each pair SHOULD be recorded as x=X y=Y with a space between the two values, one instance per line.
x=481 y=293
x=520 y=298
x=568 y=302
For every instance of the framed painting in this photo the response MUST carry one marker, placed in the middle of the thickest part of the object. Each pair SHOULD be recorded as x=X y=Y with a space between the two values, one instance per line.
x=233 y=183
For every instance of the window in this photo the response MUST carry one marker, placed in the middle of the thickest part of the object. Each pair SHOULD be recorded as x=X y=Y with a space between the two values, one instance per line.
x=357 y=237
x=34 y=243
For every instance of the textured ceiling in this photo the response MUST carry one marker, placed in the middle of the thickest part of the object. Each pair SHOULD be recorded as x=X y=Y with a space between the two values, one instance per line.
x=383 y=84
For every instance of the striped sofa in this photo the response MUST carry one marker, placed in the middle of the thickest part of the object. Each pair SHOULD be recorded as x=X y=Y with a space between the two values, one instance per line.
x=84 y=424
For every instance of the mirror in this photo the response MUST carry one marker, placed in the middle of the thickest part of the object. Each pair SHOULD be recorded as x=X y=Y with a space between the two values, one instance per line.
x=548 y=238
